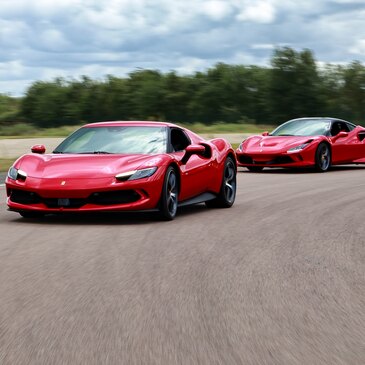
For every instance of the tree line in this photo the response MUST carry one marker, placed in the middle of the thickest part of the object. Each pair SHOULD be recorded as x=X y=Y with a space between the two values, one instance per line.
x=293 y=86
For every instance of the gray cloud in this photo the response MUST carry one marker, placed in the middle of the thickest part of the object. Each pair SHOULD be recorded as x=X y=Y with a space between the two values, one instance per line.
x=44 y=39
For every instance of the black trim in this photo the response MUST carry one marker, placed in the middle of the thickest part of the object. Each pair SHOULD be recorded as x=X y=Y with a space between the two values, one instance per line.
x=198 y=199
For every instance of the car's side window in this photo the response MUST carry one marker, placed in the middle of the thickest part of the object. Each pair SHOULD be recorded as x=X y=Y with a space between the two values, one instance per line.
x=179 y=140
x=338 y=127
x=350 y=127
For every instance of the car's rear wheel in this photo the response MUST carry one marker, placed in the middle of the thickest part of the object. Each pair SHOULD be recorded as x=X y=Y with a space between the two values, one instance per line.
x=255 y=168
x=227 y=193
x=33 y=215
x=169 y=195
x=323 y=157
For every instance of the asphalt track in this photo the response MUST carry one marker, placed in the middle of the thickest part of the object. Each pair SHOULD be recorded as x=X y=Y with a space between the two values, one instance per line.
x=277 y=279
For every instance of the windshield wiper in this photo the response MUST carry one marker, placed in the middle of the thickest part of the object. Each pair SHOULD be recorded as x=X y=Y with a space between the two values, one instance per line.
x=95 y=153
x=55 y=151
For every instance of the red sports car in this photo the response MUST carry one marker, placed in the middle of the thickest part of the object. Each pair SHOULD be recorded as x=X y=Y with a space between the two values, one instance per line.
x=305 y=142
x=124 y=166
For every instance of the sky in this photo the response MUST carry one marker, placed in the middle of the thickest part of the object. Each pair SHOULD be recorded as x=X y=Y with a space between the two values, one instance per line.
x=45 y=39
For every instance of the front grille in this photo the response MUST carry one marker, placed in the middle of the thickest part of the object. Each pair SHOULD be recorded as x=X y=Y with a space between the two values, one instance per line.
x=97 y=198
x=279 y=160
x=114 y=197
x=64 y=203
x=245 y=159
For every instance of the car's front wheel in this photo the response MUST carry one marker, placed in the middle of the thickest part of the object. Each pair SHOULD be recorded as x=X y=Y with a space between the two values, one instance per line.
x=169 y=195
x=323 y=157
x=227 y=193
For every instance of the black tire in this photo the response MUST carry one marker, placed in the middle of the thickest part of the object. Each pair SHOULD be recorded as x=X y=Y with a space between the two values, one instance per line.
x=323 y=157
x=169 y=195
x=227 y=193
x=32 y=215
x=255 y=168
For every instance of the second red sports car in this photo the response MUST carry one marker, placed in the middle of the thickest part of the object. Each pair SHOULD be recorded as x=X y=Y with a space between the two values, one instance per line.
x=124 y=166
x=314 y=142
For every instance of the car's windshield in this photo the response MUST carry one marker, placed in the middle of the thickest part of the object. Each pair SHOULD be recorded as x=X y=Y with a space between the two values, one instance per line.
x=303 y=127
x=116 y=139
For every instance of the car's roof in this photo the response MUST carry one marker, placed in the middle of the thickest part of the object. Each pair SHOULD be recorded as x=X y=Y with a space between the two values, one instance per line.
x=320 y=118
x=136 y=123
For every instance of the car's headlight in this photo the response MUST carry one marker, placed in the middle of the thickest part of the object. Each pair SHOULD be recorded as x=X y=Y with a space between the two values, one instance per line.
x=136 y=174
x=298 y=148
x=16 y=174
x=240 y=147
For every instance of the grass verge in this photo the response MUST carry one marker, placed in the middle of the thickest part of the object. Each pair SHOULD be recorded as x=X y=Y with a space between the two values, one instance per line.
x=217 y=128
x=5 y=163
x=23 y=130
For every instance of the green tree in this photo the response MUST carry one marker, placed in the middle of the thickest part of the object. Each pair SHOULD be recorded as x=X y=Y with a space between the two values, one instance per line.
x=176 y=97
x=354 y=90
x=294 y=84
x=145 y=94
x=9 y=109
x=44 y=103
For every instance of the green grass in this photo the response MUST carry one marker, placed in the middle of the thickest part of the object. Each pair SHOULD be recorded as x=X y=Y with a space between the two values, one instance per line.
x=23 y=130
x=235 y=145
x=5 y=163
x=217 y=128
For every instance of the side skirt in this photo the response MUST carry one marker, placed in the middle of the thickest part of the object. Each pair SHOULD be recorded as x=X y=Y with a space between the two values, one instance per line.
x=198 y=199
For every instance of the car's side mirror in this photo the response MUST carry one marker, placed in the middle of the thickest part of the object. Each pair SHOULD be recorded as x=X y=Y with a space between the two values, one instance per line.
x=266 y=134
x=193 y=149
x=340 y=135
x=38 y=148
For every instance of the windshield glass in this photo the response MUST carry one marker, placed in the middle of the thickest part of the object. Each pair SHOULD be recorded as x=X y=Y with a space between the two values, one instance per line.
x=303 y=127
x=116 y=139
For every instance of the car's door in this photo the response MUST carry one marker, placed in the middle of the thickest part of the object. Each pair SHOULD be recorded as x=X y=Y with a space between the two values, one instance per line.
x=346 y=143
x=194 y=173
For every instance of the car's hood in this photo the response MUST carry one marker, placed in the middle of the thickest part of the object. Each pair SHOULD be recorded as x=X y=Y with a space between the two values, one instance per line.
x=274 y=143
x=84 y=166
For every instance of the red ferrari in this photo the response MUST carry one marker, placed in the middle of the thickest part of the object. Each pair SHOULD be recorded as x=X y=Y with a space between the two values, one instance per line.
x=305 y=142
x=124 y=166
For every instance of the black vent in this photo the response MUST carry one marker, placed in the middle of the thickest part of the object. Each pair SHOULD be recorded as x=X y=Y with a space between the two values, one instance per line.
x=24 y=197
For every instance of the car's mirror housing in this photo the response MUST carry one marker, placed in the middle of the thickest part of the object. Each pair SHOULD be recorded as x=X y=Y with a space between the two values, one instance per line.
x=266 y=133
x=193 y=149
x=38 y=148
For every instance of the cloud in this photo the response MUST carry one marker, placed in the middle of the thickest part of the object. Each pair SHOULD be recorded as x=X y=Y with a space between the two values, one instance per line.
x=258 y=12
x=43 y=39
x=217 y=10
x=358 y=48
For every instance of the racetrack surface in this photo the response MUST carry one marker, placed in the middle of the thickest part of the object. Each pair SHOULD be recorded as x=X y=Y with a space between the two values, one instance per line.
x=277 y=279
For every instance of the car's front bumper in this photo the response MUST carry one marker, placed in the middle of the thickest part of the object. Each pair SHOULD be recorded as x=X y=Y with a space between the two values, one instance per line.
x=284 y=159
x=78 y=195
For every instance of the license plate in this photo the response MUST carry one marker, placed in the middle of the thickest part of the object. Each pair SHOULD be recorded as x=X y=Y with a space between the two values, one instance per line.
x=64 y=202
